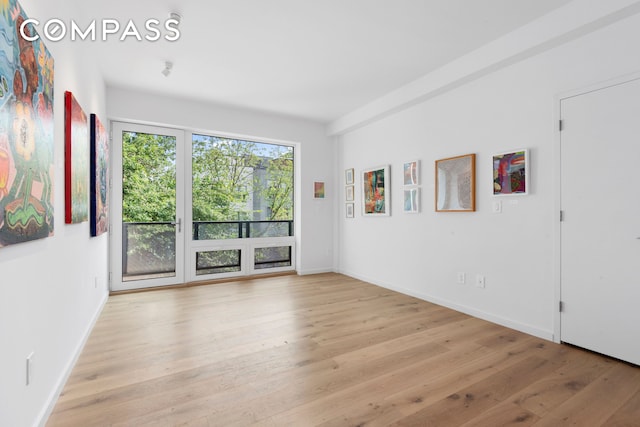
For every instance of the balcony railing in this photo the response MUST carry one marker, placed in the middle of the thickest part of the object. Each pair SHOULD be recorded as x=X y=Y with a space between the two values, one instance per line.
x=149 y=247
x=220 y=230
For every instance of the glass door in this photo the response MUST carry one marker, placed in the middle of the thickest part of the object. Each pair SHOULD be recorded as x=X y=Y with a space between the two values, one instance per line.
x=147 y=232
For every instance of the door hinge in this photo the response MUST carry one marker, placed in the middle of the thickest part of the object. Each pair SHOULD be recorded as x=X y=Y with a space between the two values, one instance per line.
x=561 y=216
x=560 y=306
x=560 y=125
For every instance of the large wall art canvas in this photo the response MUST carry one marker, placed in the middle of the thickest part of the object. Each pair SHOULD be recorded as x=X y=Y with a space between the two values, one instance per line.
x=26 y=131
x=99 y=204
x=76 y=155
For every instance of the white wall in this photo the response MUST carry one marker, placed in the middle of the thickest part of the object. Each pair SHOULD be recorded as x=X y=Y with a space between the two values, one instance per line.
x=511 y=108
x=314 y=218
x=47 y=296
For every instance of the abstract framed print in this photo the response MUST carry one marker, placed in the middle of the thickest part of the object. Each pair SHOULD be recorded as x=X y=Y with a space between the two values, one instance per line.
x=511 y=173
x=456 y=184
x=376 y=191
x=99 y=189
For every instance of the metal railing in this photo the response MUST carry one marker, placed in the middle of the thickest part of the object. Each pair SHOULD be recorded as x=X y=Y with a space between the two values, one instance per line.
x=220 y=230
x=149 y=247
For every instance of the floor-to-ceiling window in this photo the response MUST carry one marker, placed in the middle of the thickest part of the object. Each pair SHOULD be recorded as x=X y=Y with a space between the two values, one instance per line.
x=189 y=206
x=242 y=198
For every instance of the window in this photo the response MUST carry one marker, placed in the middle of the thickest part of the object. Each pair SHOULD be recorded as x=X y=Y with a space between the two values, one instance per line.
x=241 y=189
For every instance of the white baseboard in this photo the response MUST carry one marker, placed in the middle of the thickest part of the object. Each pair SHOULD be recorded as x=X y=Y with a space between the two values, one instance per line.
x=62 y=380
x=509 y=323
x=315 y=271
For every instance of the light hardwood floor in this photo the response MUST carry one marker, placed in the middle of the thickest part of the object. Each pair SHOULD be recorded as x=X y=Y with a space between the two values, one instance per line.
x=328 y=350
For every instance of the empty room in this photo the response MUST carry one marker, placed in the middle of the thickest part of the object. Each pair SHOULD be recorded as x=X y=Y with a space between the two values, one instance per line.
x=319 y=213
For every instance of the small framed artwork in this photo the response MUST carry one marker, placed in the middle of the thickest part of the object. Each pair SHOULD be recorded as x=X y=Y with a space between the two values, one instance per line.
x=348 y=176
x=412 y=173
x=411 y=200
x=318 y=190
x=511 y=173
x=376 y=191
x=349 y=210
x=456 y=184
x=348 y=193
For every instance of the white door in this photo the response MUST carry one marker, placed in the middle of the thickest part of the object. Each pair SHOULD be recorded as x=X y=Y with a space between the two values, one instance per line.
x=600 y=231
x=147 y=228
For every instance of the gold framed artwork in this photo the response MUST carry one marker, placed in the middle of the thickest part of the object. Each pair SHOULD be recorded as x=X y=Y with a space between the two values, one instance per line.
x=349 y=210
x=348 y=176
x=348 y=193
x=456 y=184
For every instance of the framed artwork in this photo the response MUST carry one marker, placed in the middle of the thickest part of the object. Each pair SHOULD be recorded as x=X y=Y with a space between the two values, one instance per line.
x=411 y=172
x=318 y=190
x=376 y=191
x=348 y=176
x=456 y=184
x=411 y=200
x=348 y=192
x=26 y=131
x=349 y=209
x=511 y=173
x=76 y=156
x=99 y=188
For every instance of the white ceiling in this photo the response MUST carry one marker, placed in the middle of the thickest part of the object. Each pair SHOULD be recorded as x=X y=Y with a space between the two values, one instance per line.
x=314 y=59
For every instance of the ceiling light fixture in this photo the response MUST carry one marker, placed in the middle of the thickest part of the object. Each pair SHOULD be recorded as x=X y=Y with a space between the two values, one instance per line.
x=167 y=68
x=175 y=16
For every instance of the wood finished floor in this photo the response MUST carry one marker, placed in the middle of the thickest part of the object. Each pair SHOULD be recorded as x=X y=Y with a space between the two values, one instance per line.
x=328 y=350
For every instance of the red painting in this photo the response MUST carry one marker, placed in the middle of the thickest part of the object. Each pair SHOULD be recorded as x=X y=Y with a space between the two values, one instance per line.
x=76 y=174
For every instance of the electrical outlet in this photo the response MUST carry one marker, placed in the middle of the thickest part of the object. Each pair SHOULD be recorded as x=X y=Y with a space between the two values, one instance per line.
x=462 y=278
x=29 y=376
x=480 y=282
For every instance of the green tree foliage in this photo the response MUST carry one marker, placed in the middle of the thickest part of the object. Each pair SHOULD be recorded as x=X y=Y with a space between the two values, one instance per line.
x=278 y=188
x=229 y=179
x=222 y=173
x=148 y=178
x=232 y=179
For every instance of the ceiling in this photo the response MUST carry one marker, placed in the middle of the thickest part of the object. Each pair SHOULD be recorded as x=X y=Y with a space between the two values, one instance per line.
x=312 y=59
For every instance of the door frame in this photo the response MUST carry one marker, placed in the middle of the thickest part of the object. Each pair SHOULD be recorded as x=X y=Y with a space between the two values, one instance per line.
x=557 y=197
x=115 y=229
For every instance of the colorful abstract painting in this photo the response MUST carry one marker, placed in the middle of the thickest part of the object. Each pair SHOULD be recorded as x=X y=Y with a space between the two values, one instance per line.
x=99 y=205
x=76 y=154
x=375 y=191
x=26 y=131
x=510 y=172
x=318 y=190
